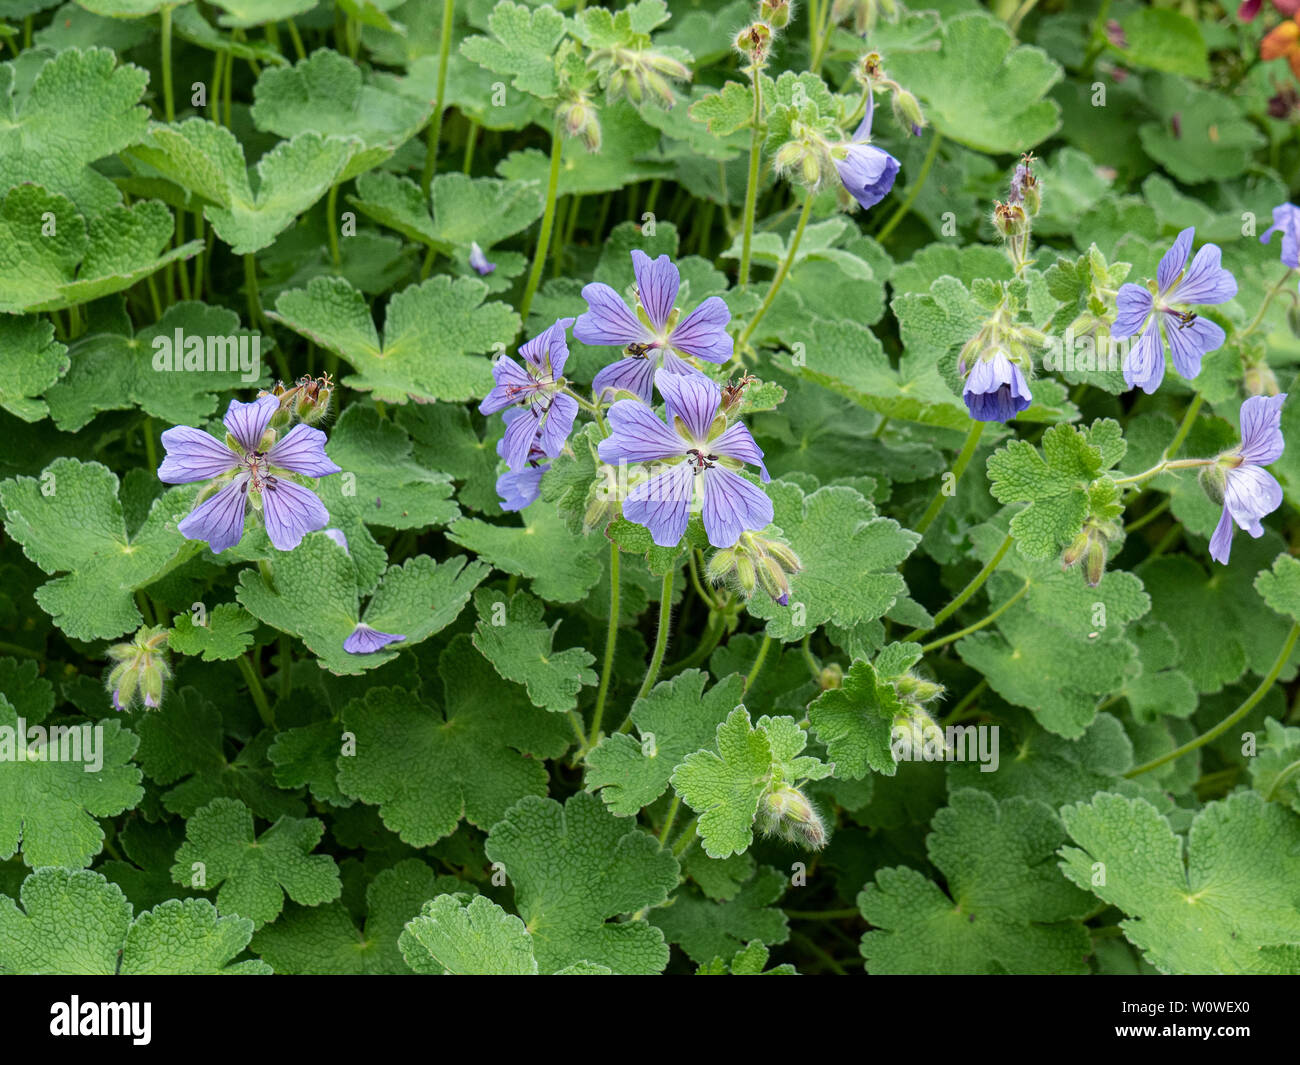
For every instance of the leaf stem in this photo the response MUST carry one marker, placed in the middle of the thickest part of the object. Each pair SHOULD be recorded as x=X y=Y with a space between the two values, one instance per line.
x=331 y=224
x=781 y=273
x=1278 y=286
x=673 y=807
x=974 y=586
x=988 y=619
x=611 y=640
x=548 y=221
x=958 y=468
x=1184 y=427
x=1164 y=466
x=165 y=17
x=751 y=188
x=256 y=690
x=758 y=662
x=1247 y=705
x=440 y=96
x=914 y=190
x=661 y=644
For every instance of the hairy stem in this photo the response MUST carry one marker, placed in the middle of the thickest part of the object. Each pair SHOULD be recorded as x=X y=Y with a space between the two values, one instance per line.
x=751 y=189
x=958 y=468
x=781 y=273
x=914 y=190
x=611 y=640
x=548 y=221
x=988 y=619
x=255 y=689
x=440 y=96
x=977 y=582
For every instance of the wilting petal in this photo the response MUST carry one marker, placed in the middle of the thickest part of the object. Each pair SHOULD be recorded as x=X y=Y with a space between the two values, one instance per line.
x=1261 y=433
x=248 y=421
x=691 y=397
x=302 y=450
x=1173 y=261
x=337 y=535
x=868 y=173
x=365 y=640
x=291 y=512
x=479 y=261
x=1134 y=305
x=1206 y=280
x=732 y=505
x=634 y=374
x=1144 y=366
x=637 y=435
x=193 y=455
x=1188 y=343
x=521 y=433
x=656 y=286
x=738 y=443
x=1251 y=493
x=220 y=519
x=1286 y=218
x=608 y=320
x=663 y=504
x=558 y=424
x=1221 y=541
x=519 y=489
x=703 y=332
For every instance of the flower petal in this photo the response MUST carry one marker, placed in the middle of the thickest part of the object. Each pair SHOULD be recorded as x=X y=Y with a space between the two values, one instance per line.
x=634 y=374
x=691 y=397
x=193 y=455
x=302 y=450
x=1221 y=541
x=703 y=332
x=663 y=504
x=1286 y=217
x=248 y=421
x=1251 y=493
x=656 y=286
x=1134 y=305
x=220 y=519
x=291 y=512
x=863 y=132
x=1188 y=343
x=1144 y=365
x=558 y=424
x=365 y=640
x=521 y=488
x=1261 y=433
x=547 y=352
x=738 y=443
x=868 y=173
x=732 y=505
x=1173 y=261
x=1206 y=280
x=608 y=320
x=637 y=435
x=520 y=437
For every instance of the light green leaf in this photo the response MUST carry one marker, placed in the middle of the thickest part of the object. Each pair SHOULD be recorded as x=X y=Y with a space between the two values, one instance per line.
x=34 y=362
x=226 y=633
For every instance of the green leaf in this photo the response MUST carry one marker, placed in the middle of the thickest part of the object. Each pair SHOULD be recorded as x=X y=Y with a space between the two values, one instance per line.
x=316 y=598
x=511 y=635
x=67 y=922
x=150 y=370
x=70 y=521
x=982 y=90
x=546 y=849
x=1211 y=140
x=55 y=779
x=1164 y=40
x=1208 y=909
x=1273 y=769
x=253 y=874
x=849 y=557
x=468 y=937
x=1280 y=586
x=707 y=929
x=240 y=14
x=427 y=766
x=522 y=46
x=1009 y=910
x=726 y=111
x=855 y=721
x=437 y=336
x=748 y=961
x=35 y=362
x=675 y=719
x=226 y=633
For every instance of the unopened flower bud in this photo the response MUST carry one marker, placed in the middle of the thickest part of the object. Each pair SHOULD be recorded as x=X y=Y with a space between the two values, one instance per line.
x=786 y=812
x=917 y=690
x=775 y=12
x=580 y=120
x=831 y=676
x=772 y=576
x=1260 y=380
x=1077 y=549
x=140 y=669
x=1096 y=563
x=1214 y=482
x=907 y=112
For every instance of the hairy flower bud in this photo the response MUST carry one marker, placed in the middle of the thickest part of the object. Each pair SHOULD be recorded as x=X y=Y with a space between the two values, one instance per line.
x=907 y=112
x=917 y=690
x=140 y=669
x=1010 y=219
x=776 y=13
x=1096 y=563
x=786 y=812
x=754 y=42
x=831 y=676
x=580 y=120
x=755 y=560
x=1077 y=549
x=1260 y=380
x=1214 y=482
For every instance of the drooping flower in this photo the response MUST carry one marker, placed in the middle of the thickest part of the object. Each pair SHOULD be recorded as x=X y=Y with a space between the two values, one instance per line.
x=479 y=261
x=867 y=172
x=536 y=389
x=655 y=334
x=1286 y=220
x=250 y=465
x=520 y=488
x=1282 y=42
x=140 y=669
x=365 y=640
x=1238 y=478
x=995 y=390
x=1179 y=286
x=701 y=446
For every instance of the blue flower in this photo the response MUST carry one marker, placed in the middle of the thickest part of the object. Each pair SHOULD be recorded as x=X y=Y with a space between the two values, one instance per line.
x=867 y=172
x=996 y=390
x=535 y=390
x=1286 y=218
x=1249 y=491
x=1179 y=287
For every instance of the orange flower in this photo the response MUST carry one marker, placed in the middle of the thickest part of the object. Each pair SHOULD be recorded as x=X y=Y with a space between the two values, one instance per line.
x=1283 y=40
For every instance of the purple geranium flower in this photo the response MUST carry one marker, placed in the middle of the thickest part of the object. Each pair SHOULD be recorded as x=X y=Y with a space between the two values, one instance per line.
x=696 y=442
x=1249 y=491
x=290 y=510
x=655 y=333
x=519 y=488
x=867 y=172
x=1286 y=217
x=1179 y=286
x=479 y=261
x=996 y=390
x=365 y=640
x=547 y=413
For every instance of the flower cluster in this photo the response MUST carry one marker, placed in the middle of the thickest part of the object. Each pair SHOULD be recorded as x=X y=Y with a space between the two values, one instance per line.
x=140 y=669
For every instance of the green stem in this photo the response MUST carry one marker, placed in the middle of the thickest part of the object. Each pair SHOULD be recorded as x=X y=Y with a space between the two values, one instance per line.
x=955 y=714
x=169 y=108
x=661 y=645
x=1185 y=426
x=822 y=915
x=914 y=189
x=673 y=807
x=712 y=634
x=758 y=663
x=988 y=619
x=1148 y=517
x=17 y=649
x=286 y=669
x=251 y=294
x=331 y=224
x=435 y=122
x=977 y=582
x=548 y=221
x=471 y=140
x=781 y=273
x=751 y=188
x=611 y=640
x=150 y=447
x=1278 y=286
x=256 y=690
x=298 y=49
x=1281 y=778
x=813 y=666
x=958 y=468
x=1249 y=704
x=823 y=36
x=1163 y=467
x=685 y=839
